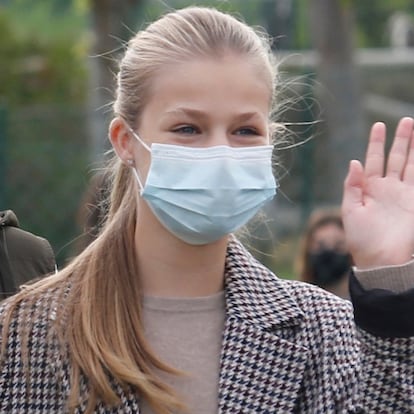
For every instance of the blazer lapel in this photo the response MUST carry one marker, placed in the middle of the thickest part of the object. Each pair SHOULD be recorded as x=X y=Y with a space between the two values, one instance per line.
x=261 y=365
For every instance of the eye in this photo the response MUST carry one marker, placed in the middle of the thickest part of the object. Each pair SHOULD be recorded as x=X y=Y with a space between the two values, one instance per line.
x=247 y=131
x=186 y=130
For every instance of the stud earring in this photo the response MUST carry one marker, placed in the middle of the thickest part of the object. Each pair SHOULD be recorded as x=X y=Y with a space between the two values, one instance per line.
x=130 y=162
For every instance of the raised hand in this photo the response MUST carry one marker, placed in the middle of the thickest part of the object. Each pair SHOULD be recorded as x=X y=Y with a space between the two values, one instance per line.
x=378 y=200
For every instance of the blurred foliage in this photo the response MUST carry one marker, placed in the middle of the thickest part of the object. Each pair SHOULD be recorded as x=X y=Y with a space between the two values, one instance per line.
x=250 y=10
x=43 y=45
x=287 y=20
x=43 y=86
x=47 y=171
x=372 y=20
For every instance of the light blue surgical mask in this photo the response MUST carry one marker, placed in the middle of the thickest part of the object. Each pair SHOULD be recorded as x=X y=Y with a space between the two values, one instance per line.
x=203 y=194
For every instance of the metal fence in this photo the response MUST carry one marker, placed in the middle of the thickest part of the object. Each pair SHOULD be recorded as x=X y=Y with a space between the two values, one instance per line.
x=44 y=170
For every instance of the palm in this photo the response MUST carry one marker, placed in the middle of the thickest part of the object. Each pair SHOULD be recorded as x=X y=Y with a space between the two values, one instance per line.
x=378 y=207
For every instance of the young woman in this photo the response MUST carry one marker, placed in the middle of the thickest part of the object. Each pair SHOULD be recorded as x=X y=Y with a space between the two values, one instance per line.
x=323 y=257
x=166 y=312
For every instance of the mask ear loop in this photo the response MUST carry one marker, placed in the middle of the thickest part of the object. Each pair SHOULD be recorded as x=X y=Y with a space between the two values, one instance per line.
x=141 y=187
x=131 y=163
x=136 y=136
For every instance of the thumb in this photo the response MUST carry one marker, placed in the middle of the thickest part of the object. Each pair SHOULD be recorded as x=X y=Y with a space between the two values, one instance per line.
x=353 y=187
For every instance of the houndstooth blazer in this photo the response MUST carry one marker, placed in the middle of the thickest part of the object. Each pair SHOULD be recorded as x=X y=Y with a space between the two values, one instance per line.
x=288 y=347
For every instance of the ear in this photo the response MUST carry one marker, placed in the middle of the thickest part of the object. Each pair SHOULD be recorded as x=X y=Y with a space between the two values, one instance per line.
x=121 y=139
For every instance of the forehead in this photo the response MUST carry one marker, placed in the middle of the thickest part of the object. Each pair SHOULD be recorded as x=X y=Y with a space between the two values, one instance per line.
x=328 y=231
x=217 y=85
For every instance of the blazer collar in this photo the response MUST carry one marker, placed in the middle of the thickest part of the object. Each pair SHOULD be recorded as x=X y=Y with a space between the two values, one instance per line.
x=254 y=294
x=262 y=358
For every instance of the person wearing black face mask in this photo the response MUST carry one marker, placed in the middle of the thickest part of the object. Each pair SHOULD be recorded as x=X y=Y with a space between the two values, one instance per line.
x=329 y=266
x=324 y=259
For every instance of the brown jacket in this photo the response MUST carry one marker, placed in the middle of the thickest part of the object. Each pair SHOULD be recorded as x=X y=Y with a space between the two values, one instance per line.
x=23 y=255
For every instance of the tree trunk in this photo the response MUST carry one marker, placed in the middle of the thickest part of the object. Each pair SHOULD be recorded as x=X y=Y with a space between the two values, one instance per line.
x=111 y=20
x=331 y=23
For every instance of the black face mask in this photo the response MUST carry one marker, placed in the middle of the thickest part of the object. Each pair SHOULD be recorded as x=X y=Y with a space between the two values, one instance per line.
x=328 y=266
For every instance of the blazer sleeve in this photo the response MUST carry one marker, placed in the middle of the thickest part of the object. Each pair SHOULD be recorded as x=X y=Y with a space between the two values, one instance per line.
x=384 y=329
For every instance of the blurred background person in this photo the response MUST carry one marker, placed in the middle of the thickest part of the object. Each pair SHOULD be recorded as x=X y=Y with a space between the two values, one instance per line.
x=23 y=255
x=401 y=30
x=324 y=259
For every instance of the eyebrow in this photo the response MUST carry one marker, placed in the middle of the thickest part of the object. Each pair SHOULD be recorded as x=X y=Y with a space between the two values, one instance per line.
x=201 y=114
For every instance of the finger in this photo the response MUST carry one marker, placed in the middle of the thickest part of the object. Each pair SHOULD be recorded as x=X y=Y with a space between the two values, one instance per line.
x=398 y=153
x=353 y=187
x=409 y=167
x=374 y=161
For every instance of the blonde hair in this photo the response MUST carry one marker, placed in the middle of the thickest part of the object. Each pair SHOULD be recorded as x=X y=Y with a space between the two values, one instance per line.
x=103 y=292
